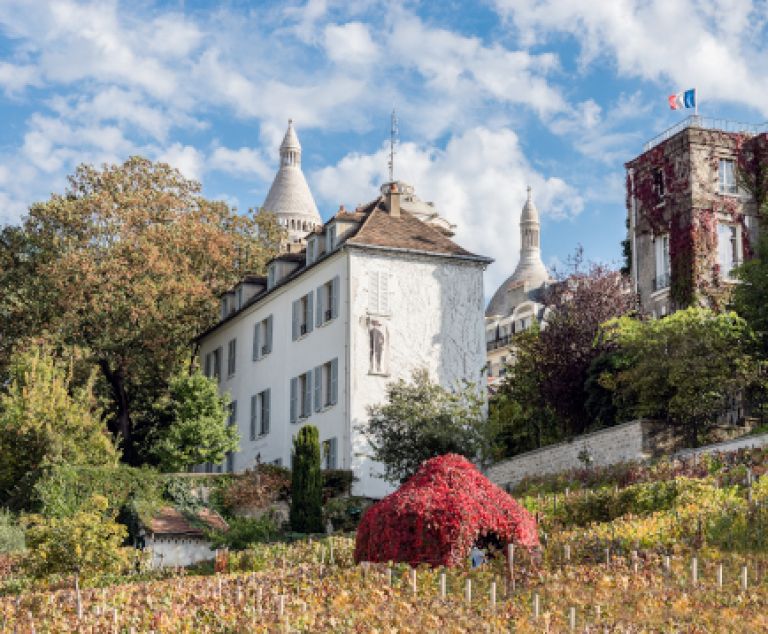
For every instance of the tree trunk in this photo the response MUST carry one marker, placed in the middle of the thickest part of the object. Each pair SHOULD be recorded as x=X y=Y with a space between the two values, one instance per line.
x=121 y=424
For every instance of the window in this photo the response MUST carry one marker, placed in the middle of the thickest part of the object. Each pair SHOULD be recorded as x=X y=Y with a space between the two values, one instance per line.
x=328 y=301
x=213 y=364
x=330 y=238
x=239 y=298
x=661 y=249
x=260 y=405
x=224 y=307
x=301 y=396
x=262 y=338
x=231 y=357
x=326 y=385
x=311 y=251
x=330 y=452
x=658 y=184
x=207 y=367
x=229 y=464
x=727 y=177
x=728 y=249
x=378 y=292
x=302 y=316
x=271 y=275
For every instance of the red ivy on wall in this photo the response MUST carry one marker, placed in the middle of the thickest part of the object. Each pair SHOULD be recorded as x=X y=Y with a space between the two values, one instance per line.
x=439 y=513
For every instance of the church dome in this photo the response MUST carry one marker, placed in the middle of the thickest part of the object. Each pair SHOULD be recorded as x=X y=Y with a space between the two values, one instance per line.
x=289 y=197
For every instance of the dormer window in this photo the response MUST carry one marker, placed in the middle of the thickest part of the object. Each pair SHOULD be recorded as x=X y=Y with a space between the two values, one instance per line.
x=311 y=251
x=271 y=276
x=330 y=240
x=224 y=307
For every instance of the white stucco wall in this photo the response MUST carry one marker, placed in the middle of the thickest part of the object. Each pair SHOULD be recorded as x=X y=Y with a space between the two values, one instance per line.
x=435 y=321
x=168 y=551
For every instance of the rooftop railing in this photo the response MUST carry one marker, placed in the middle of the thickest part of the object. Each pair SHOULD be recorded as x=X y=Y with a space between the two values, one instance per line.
x=707 y=123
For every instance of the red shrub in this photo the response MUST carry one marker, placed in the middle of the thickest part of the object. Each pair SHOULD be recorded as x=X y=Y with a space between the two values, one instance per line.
x=439 y=513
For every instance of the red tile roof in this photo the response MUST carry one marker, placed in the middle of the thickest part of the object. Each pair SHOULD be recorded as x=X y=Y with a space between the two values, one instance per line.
x=169 y=521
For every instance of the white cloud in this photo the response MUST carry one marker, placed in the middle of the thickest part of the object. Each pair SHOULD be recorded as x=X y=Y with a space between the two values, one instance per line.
x=187 y=159
x=350 y=43
x=478 y=182
x=15 y=78
x=718 y=47
x=243 y=161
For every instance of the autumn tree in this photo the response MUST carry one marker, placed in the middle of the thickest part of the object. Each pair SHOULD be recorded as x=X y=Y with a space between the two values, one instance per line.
x=127 y=263
x=46 y=421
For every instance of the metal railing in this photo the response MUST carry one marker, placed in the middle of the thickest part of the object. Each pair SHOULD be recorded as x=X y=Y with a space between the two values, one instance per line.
x=708 y=123
x=499 y=342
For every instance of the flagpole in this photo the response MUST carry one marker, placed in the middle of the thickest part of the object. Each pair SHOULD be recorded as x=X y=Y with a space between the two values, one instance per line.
x=696 y=102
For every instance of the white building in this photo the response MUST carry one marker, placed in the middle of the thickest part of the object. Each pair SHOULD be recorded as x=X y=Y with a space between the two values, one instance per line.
x=376 y=294
x=519 y=301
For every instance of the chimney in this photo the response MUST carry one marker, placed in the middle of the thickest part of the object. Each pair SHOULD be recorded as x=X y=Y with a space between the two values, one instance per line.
x=393 y=200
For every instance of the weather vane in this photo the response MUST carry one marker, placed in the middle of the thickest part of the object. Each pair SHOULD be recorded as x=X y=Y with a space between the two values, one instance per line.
x=393 y=132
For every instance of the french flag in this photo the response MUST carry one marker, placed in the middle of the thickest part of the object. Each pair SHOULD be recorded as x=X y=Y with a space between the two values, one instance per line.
x=684 y=99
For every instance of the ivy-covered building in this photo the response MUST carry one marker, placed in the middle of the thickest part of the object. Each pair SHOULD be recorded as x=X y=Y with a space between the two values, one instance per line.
x=692 y=212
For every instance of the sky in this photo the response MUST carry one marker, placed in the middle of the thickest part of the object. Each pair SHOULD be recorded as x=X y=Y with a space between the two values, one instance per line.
x=491 y=96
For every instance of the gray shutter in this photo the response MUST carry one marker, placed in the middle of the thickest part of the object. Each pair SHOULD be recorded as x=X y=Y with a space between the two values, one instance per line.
x=233 y=413
x=294 y=399
x=307 y=404
x=257 y=342
x=208 y=365
x=320 y=308
x=310 y=312
x=254 y=414
x=268 y=335
x=265 y=411
x=295 y=329
x=334 y=381
x=335 y=297
x=318 y=388
x=332 y=452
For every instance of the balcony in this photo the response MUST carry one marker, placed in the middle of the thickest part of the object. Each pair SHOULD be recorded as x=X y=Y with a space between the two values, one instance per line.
x=499 y=342
x=708 y=123
x=660 y=282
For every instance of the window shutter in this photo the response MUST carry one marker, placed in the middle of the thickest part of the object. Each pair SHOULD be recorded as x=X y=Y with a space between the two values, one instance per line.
x=318 y=388
x=233 y=413
x=320 y=306
x=310 y=313
x=335 y=297
x=334 y=378
x=208 y=365
x=257 y=342
x=307 y=404
x=268 y=335
x=384 y=292
x=254 y=414
x=294 y=399
x=265 y=411
x=373 y=292
x=295 y=328
x=332 y=451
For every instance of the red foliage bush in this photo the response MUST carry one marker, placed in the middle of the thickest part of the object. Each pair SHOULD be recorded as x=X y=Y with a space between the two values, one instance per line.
x=439 y=513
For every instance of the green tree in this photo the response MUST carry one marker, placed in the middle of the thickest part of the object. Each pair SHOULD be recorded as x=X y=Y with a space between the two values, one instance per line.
x=128 y=264
x=686 y=368
x=85 y=544
x=45 y=421
x=421 y=420
x=194 y=426
x=306 y=482
x=749 y=297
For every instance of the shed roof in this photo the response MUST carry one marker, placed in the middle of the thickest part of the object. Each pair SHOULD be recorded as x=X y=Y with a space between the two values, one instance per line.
x=169 y=521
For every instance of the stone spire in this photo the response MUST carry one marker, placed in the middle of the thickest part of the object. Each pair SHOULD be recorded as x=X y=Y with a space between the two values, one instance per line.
x=530 y=268
x=289 y=197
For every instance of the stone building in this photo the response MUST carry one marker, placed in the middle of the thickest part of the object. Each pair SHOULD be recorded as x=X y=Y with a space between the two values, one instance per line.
x=691 y=219
x=363 y=300
x=520 y=299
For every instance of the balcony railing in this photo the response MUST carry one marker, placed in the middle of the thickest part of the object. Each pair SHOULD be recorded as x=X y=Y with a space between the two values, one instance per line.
x=709 y=123
x=661 y=282
x=499 y=342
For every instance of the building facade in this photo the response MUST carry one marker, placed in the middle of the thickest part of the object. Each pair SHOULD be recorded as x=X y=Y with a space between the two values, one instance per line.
x=691 y=217
x=519 y=301
x=366 y=299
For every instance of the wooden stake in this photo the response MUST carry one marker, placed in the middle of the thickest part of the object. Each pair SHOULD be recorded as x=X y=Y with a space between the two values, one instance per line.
x=281 y=606
x=744 y=578
x=572 y=618
x=720 y=575
x=413 y=580
x=694 y=571
x=442 y=585
x=493 y=596
x=567 y=552
x=468 y=591
x=536 y=606
x=389 y=577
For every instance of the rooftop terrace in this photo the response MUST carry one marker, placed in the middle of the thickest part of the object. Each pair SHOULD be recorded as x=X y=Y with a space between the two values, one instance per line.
x=708 y=123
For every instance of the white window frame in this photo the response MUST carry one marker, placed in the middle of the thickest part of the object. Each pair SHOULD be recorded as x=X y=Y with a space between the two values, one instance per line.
x=379 y=292
x=271 y=276
x=662 y=263
x=263 y=334
x=328 y=301
x=231 y=357
x=733 y=251
x=330 y=453
x=303 y=316
x=260 y=414
x=726 y=177
x=330 y=238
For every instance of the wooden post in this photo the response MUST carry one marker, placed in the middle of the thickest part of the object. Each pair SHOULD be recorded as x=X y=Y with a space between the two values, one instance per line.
x=468 y=591
x=572 y=618
x=607 y=556
x=511 y=567
x=720 y=575
x=597 y=612
x=667 y=563
x=536 y=606
x=694 y=571
x=442 y=585
x=567 y=553
x=389 y=577
x=493 y=596
x=330 y=557
x=413 y=580
x=744 y=578
x=281 y=606
x=78 y=598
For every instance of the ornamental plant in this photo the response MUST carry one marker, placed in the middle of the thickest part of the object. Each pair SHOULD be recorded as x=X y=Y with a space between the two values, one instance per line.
x=439 y=513
x=306 y=482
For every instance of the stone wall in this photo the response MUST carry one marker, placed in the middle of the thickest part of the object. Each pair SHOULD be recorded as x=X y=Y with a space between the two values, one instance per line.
x=636 y=440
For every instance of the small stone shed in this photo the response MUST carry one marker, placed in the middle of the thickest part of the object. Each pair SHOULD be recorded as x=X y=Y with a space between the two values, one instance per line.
x=175 y=540
x=436 y=517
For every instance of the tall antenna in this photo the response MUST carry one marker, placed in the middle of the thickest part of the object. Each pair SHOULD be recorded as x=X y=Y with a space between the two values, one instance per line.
x=393 y=132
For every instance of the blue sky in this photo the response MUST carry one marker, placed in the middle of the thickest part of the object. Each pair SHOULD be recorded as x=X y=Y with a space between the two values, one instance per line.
x=491 y=96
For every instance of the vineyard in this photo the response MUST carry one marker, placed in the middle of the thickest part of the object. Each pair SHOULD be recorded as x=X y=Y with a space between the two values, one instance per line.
x=674 y=547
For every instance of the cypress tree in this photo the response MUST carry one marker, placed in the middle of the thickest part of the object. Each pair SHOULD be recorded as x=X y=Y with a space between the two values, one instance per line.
x=306 y=482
